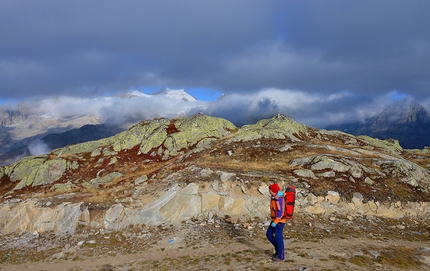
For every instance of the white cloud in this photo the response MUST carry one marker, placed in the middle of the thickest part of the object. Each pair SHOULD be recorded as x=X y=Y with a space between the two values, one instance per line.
x=117 y=110
x=38 y=147
x=240 y=108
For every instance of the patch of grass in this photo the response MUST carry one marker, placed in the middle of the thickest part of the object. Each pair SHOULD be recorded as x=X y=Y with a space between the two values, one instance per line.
x=360 y=261
x=400 y=257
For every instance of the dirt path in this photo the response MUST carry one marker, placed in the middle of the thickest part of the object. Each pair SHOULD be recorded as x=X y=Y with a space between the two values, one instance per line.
x=337 y=246
x=252 y=254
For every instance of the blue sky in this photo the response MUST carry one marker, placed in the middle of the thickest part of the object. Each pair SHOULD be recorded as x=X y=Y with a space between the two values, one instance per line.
x=339 y=57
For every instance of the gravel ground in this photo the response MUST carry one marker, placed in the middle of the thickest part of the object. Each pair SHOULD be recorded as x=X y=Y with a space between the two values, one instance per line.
x=312 y=243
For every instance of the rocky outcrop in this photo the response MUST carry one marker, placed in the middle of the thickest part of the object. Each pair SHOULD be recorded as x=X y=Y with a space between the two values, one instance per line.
x=171 y=135
x=28 y=216
x=278 y=127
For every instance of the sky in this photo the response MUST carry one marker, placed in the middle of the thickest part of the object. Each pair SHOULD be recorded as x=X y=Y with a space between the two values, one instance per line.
x=319 y=62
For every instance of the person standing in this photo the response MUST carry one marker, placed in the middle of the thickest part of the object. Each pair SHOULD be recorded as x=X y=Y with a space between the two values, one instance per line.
x=274 y=231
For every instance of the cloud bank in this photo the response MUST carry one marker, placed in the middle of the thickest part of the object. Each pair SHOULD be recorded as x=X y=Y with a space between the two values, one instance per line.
x=314 y=110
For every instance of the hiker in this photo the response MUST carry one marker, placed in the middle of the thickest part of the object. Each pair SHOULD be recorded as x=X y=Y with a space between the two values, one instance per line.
x=274 y=231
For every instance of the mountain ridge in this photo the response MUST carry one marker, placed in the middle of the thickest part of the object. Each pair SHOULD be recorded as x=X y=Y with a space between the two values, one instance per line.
x=406 y=121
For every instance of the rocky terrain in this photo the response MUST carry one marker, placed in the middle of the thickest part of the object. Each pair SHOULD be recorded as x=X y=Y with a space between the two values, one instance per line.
x=192 y=193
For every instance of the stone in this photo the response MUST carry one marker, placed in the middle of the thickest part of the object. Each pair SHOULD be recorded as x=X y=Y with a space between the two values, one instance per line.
x=327 y=174
x=112 y=215
x=332 y=197
x=215 y=186
x=184 y=205
x=35 y=171
x=142 y=179
x=226 y=176
x=323 y=162
x=356 y=172
x=210 y=201
x=60 y=187
x=205 y=172
x=369 y=181
x=305 y=173
x=263 y=189
x=315 y=209
x=105 y=179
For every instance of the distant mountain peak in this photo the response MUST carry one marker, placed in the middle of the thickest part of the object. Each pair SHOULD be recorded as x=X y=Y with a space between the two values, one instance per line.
x=406 y=121
x=179 y=94
x=134 y=93
x=406 y=111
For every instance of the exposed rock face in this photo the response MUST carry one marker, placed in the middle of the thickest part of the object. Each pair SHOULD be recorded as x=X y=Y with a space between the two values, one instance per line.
x=169 y=171
x=27 y=217
x=181 y=204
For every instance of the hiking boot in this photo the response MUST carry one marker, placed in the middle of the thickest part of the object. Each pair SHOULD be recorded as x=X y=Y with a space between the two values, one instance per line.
x=276 y=259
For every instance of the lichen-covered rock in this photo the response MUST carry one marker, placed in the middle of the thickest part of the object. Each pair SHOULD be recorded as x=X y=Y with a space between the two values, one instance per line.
x=278 y=127
x=50 y=171
x=390 y=145
x=105 y=179
x=34 y=171
x=154 y=140
x=200 y=126
x=85 y=147
x=23 y=168
x=63 y=187
x=146 y=131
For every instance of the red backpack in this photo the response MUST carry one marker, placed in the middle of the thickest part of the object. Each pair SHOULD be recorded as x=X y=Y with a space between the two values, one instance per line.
x=290 y=200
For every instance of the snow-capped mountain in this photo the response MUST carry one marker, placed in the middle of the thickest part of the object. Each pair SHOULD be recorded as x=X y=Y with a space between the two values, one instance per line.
x=133 y=94
x=179 y=94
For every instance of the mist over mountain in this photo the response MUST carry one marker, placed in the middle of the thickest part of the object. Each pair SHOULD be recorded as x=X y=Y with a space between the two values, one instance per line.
x=406 y=121
x=34 y=129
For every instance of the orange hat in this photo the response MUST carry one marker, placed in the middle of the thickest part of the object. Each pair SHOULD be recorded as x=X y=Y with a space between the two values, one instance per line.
x=274 y=188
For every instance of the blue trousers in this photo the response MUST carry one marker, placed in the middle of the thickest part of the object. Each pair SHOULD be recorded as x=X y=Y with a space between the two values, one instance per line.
x=274 y=235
